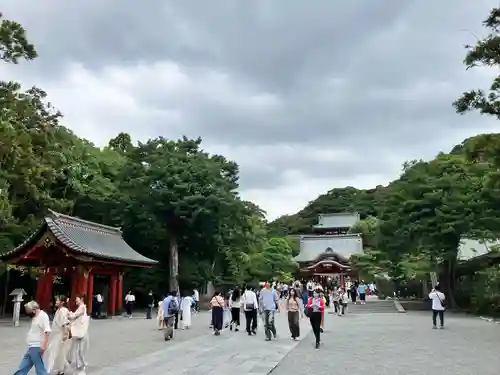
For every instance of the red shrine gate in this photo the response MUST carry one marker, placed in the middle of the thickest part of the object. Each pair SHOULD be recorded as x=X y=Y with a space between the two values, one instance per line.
x=69 y=246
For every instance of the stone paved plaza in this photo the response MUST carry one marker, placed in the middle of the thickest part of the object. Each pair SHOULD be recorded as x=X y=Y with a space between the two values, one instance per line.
x=361 y=344
x=113 y=341
x=400 y=344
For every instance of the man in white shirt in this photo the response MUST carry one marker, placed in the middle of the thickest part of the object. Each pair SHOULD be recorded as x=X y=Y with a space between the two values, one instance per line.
x=37 y=338
x=99 y=301
x=250 y=305
x=438 y=306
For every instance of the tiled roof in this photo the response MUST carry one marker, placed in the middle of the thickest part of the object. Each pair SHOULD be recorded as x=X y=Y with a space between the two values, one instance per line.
x=470 y=248
x=337 y=220
x=88 y=238
x=313 y=246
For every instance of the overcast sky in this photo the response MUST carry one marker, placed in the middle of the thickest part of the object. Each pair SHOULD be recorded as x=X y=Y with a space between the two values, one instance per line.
x=305 y=95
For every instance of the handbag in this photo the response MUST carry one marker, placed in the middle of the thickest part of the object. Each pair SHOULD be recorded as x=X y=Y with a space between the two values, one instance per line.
x=307 y=309
x=443 y=304
x=78 y=328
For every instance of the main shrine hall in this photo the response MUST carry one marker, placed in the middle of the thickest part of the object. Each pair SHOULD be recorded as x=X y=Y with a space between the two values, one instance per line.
x=77 y=250
x=324 y=256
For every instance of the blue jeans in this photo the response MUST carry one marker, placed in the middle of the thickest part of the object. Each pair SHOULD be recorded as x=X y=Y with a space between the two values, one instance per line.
x=33 y=357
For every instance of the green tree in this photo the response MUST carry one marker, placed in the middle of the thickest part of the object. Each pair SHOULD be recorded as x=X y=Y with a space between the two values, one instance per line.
x=189 y=193
x=485 y=53
x=437 y=204
x=275 y=260
x=13 y=42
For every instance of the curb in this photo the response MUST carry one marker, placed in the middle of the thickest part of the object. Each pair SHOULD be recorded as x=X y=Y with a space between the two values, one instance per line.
x=490 y=320
x=399 y=307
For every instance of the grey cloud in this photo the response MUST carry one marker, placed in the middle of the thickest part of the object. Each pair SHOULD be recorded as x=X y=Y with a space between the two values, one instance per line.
x=350 y=75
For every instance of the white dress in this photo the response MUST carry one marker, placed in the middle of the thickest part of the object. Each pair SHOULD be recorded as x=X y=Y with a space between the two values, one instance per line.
x=57 y=348
x=79 y=345
x=186 y=305
x=160 y=316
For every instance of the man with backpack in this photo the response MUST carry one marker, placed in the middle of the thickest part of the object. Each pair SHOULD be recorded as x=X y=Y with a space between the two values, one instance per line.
x=171 y=309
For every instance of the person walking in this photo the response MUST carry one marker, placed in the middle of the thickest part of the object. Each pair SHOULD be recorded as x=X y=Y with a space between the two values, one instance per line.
x=186 y=308
x=250 y=306
x=170 y=308
x=336 y=300
x=37 y=339
x=55 y=356
x=438 y=306
x=354 y=292
x=269 y=304
x=315 y=308
x=235 y=303
x=160 y=315
x=295 y=313
x=362 y=288
x=217 y=305
x=343 y=301
x=79 y=327
x=151 y=304
x=129 y=303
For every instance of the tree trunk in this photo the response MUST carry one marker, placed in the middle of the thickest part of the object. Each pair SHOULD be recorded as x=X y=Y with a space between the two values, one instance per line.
x=449 y=281
x=173 y=263
x=6 y=290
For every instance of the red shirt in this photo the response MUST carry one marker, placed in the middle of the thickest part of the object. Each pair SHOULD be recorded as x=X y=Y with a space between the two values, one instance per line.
x=321 y=304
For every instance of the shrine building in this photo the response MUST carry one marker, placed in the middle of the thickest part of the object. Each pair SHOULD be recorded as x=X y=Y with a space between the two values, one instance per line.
x=324 y=256
x=77 y=250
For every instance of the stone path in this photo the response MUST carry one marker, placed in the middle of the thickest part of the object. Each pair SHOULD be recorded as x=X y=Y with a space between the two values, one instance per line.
x=232 y=353
x=394 y=344
x=362 y=344
x=113 y=341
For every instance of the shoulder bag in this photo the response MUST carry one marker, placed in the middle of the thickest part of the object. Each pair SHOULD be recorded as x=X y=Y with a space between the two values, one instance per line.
x=443 y=304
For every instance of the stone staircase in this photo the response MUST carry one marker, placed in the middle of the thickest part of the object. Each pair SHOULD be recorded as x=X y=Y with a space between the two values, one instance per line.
x=373 y=307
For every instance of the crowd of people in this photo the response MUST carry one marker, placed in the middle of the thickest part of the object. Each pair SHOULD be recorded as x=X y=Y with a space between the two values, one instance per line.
x=59 y=347
x=299 y=300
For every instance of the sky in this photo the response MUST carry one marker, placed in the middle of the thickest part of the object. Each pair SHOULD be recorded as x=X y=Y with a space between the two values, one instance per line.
x=306 y=96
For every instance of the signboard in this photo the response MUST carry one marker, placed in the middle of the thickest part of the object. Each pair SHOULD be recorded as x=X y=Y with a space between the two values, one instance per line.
x=434 y=279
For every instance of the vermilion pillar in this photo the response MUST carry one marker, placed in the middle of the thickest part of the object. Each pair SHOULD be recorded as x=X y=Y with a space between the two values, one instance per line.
x=75 y=280
x=90 y=292
x=119 y=294
x=112 y=295
x=49 y=290
x=40 y=289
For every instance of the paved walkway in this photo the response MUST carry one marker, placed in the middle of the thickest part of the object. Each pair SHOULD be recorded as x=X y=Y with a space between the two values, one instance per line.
x=364 y=344
x=397 y=344
x=232 y=353
x=113 y=341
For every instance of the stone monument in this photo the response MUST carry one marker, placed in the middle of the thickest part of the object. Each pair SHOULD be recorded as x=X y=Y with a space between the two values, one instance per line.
x=18 y=295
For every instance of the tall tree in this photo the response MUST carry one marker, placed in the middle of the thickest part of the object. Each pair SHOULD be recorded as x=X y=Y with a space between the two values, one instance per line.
x=184 y=189
x=485 y=53
x=439 y=203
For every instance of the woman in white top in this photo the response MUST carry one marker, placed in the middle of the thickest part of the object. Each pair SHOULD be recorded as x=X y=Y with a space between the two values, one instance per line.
x=235 y=304
x=79 y=324
x=343 y=301
x=55 y=355
x=160 y=316
x=129 y=303
x=186 y=305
